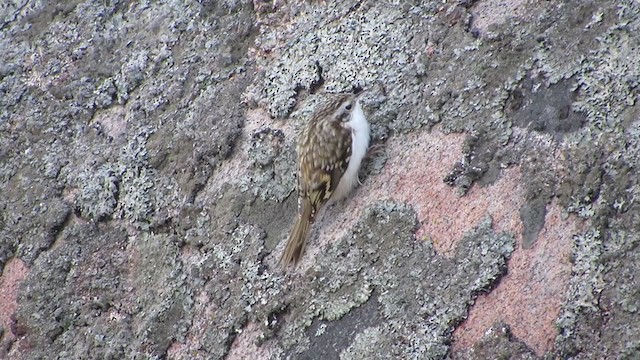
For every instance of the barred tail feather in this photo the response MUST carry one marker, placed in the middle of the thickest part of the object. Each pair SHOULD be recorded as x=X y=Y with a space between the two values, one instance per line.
x=298 y=238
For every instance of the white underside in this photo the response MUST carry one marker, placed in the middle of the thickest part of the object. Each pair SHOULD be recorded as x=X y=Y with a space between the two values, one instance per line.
x=360 y=134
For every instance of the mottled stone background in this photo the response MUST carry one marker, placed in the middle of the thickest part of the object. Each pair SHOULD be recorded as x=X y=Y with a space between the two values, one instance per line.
x=147 y=180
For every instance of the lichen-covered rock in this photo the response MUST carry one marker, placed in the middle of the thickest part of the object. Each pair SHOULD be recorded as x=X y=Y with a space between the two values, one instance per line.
x=147 y=176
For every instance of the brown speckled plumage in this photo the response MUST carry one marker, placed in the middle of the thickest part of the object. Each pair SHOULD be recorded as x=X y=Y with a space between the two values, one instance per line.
x=324 y=151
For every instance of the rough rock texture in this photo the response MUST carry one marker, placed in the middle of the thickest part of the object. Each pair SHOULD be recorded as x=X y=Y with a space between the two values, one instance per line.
x=147 y=180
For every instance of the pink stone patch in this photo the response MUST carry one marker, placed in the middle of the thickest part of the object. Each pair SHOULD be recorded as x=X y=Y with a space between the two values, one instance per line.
x=529 y=297
x=414 y=174
x=15 y=271
x=244 y=346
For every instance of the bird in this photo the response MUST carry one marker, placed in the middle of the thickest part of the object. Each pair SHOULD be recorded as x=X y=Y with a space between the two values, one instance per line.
x=330 y=149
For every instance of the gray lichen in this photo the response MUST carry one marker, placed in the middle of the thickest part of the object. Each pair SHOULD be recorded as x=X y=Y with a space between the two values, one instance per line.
x=99 y=192
x=498 y=343
x=348 y=50
x=273 y=165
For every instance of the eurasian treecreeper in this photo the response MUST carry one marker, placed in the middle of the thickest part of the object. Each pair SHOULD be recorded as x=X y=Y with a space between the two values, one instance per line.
x=330 y=150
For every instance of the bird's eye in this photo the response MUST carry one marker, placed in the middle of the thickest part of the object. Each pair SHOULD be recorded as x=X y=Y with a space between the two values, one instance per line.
x=348 y=107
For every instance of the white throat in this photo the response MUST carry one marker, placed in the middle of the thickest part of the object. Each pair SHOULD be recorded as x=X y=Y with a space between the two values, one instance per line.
x=360 y=134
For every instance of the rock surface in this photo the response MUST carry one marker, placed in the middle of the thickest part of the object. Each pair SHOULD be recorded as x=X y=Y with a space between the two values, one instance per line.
x=147 y=160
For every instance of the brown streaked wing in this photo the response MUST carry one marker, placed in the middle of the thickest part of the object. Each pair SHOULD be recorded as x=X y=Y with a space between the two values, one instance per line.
x=330 y=159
